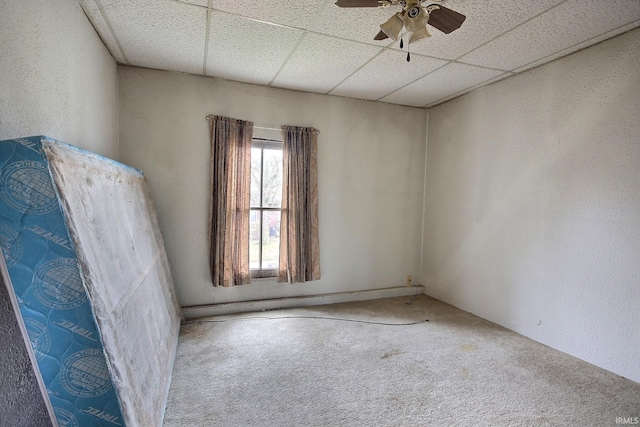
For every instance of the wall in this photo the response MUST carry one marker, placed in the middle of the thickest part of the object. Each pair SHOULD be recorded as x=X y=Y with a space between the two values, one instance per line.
x=533 y=204
x=370 y=161
x=56 y=79
x=21 y=398
x=56 y=76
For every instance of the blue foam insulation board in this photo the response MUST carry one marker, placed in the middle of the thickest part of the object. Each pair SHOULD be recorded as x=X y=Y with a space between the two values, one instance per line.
x=57 y=299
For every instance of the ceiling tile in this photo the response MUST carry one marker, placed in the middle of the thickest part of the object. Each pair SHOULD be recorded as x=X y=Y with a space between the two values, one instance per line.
x=566 y=25
x=486 y=19
x=320 y=63
x=164 y=34
x=294 y=13
x=358 y=23
x=247 y=50
x=315 y=46
x=385 y=73
x=90 y=7
x=453 y=95
x=450 y=79
x=580 y=46
x=203 y=3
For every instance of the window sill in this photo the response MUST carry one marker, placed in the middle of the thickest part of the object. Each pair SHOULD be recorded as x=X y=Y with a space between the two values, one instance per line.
x=255 y=280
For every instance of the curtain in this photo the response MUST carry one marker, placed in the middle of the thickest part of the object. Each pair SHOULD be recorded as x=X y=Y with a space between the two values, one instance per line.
x=299 y=247
x=230 y=192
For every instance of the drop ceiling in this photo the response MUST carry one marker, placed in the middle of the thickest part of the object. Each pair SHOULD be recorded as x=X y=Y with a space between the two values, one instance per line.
x=315 y=46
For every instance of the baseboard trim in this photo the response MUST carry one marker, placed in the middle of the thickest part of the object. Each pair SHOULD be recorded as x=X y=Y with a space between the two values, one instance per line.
x=194 y=312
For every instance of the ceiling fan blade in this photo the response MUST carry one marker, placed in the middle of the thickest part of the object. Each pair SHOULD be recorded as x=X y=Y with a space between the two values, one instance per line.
x=446 y=20
x=357 y=3
x=381 y=36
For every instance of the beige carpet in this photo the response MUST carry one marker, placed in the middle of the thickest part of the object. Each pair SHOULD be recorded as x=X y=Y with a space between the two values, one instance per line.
x=380 y=363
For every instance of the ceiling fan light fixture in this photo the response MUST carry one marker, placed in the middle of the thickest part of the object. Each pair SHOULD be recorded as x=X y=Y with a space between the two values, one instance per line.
x=416 y=17
x=420 y=34
x=393 y=27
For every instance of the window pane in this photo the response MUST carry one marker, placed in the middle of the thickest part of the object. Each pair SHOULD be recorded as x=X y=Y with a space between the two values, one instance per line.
x=254 y=239
x=270 y=239
x=256 y=160
x=272 y=178
x=266 y=192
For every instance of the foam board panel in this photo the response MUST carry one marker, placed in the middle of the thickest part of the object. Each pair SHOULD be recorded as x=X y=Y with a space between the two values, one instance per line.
x=89 y=271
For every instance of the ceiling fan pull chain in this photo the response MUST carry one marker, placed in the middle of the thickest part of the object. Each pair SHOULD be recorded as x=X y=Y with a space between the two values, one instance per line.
x=401 y=44
x=409 y=51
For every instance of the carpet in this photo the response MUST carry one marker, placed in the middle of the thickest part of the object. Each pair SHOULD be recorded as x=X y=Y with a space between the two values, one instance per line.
x=383 y=363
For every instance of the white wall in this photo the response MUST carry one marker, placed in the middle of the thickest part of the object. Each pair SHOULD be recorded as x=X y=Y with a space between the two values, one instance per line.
x=370 y=161
x=533 y=204
x=56 y=76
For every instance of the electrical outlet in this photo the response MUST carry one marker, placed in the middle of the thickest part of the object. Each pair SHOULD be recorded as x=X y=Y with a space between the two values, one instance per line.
x=409 y=280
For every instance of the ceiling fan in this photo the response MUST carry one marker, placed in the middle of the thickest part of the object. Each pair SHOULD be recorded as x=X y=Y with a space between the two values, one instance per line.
x=413 y=18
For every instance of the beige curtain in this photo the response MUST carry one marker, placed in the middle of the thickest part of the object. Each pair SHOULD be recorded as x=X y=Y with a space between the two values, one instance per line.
x=230 y=192
x=299 y=248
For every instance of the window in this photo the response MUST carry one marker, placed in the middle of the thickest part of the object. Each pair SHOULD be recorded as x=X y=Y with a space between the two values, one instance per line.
x=265 y=203
x=248 y=215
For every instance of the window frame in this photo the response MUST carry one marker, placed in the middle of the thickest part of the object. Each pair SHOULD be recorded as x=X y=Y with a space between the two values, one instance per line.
x=262 y=144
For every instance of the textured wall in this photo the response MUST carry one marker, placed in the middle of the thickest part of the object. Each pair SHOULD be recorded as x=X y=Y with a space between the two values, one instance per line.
x=57 y=79
x=56 y=76
x=21 y=401
x=533 y=204
x=371 y=169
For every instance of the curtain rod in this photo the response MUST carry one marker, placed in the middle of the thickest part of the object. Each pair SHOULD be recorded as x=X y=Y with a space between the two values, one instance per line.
x=261 y=127
x=257 y=127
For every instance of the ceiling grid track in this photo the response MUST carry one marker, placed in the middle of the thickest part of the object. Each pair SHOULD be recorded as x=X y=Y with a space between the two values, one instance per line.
x=509 y=73
x=469 y=89
x=511 y=29
x=306 y=30
x=523 y=36
x=411 y=82
x=284 y=63
x=113 y=33
x=93 y=24
x=357 y=69
x=632 y=24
